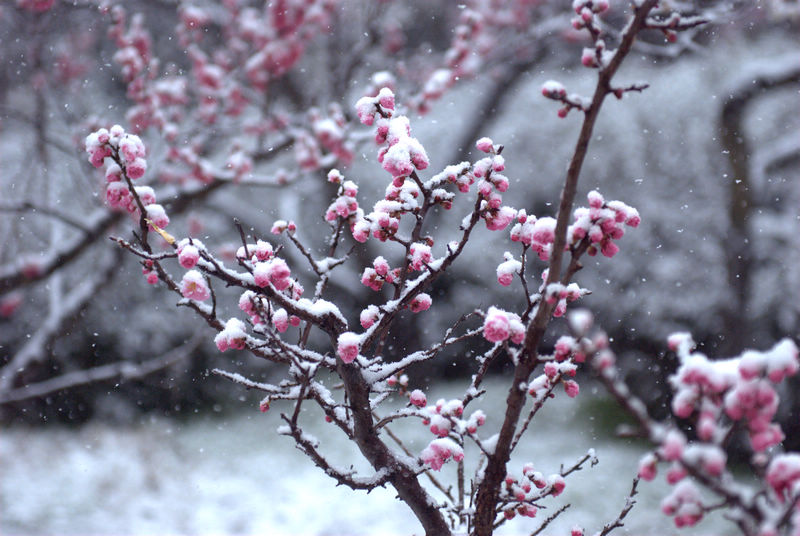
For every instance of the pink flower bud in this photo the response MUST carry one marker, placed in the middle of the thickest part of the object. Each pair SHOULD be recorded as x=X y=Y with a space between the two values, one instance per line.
x=485 y=145
x=347 y=346
x=571 y=388
x=417 y=398
x=194 y=286
x=188 y=256
x=420 y=303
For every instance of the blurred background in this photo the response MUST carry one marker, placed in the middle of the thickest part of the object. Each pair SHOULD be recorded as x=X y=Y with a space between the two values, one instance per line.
x=709 y=155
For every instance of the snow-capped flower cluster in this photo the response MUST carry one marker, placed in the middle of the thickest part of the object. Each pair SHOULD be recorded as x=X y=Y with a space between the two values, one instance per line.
x=560 y=295
x=189 y=252
x=538 y=234
x=586 y=11
x=381 y=104
x=261 y=251
x=740 y=387
x=419 y=256
x=443 y=415
x=439 y=451
x=783 y=476
x=345 y=204
x=274 y=272
x=417 y=398
x=491 y=184
x=233 y=336
x=379 y=274
x=520 y=494
x=499 y=326
x=420 y=302
x=602 y=222
x=684 y=503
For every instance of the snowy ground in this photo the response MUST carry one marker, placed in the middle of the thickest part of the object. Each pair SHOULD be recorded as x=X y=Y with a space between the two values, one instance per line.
x=234 y=475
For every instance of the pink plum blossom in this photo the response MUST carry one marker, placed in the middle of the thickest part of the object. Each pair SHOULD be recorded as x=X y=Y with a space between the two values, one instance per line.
x=194 y=286
x=348 y=346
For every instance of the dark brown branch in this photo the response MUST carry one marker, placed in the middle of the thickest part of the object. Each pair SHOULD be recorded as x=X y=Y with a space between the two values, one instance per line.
x=121 y=369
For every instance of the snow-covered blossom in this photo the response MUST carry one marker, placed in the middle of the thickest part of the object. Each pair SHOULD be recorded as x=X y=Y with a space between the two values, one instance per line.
x=157 y=215
x=188 y=255
x=439 y=451
x=572 y=388
x=347 y=346
x=417 y=398
x=274 y=272
x=368 y=316
x=507 y=269
x=419 y=255
x=485 y=145
x=421 y=302
x=233 y=336
x=684 y=503
x=501 y=325
x=783 y=475
x=647 y=466
x=194 y=286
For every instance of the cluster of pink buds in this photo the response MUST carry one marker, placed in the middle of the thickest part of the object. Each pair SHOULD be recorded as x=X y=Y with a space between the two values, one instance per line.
x=274 y=272
x=499 y=326
x=538 y=234
x=439 y=451
x=379 y=274
x=443 y=416
x=783 y=476
x=741 y=387
x=329 y=132
x=134 y=52
x=123 y=156
x=586 y=11
x=556 y=91
x=419 y=256
x=401 y=154
x=684 y=503
x=253 y=305
x=491 y=184
x=520 y=493
x=281 y=226
x=560 y=295
x=233 y=336
x=420 y=302
x=147 y=271
x=602 y=222
x=417 y=398
x=345 y=204
x=261 y=251
x=568 y=348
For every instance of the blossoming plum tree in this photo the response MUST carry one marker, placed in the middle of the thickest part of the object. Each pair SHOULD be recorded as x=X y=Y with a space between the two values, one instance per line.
x=312 y=337
x=229 y=90
x=236 y=110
